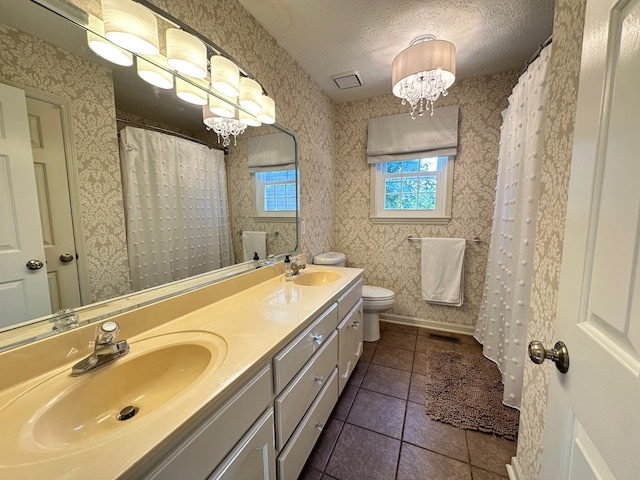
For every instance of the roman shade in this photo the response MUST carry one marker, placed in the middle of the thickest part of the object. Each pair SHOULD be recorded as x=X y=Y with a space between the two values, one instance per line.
x=399 y=137
x=271 y=152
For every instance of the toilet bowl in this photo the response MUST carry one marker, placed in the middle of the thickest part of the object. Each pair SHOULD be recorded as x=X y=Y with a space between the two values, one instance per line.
x=375 y=299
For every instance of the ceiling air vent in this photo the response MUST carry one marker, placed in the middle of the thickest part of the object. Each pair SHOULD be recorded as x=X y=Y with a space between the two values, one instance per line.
x=347 y=80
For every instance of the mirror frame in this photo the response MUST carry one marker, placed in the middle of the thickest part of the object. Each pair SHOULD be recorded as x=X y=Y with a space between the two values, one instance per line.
x=36 y=329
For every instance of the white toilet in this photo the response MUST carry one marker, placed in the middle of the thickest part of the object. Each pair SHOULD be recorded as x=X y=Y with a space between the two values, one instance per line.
x=375 y=299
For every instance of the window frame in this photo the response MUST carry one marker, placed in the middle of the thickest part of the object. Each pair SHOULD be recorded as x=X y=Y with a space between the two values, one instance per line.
x=259 y=207
x=440 y=215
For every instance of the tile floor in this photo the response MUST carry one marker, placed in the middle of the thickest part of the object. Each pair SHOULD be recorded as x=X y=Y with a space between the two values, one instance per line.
x=378 y=429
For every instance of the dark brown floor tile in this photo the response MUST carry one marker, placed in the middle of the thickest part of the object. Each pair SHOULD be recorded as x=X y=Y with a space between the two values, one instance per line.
x=425 y=343
x=469 y=340
x=368 y=349
x=393 y=357
x=420 y=363
x=324 y=446
x=378 y=412
x=387 y=380
x=417 y=388
x=490 y=452
x=470 y=349
x=309 y=473
x=398 y=340
x=479 y=474
x=358 y=374
x=417 y=463
x=361 y=454
x=398 y=327
x=345 y=401
x=439 y=437
x=327 y=477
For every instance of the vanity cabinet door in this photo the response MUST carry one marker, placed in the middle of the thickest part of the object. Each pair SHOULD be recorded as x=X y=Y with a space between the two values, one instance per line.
x=348 y=299
x=349 y=344
x=254 y=456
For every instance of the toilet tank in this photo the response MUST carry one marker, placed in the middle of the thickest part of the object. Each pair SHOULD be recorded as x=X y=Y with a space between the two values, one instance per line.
x=335 y=259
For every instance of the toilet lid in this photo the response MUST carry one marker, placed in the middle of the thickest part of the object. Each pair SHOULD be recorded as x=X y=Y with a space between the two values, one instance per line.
x=329 y=258
x=370 y=292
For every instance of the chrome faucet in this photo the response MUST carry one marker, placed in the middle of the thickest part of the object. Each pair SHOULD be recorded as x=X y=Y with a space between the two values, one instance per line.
x=106 y=350
x=296 y=266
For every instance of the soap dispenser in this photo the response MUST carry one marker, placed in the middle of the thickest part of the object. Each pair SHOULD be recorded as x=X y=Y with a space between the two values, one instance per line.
x=288 y=272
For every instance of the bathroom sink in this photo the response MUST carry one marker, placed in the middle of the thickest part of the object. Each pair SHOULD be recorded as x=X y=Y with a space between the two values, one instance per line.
x=317 y=277
x=65 y=411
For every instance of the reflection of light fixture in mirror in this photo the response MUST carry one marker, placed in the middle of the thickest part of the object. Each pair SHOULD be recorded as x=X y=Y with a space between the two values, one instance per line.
x=423 y=72
x=105 y=48
x=186 y=54
x=222 y=107
x=250 y=95
x=268 y=113
x=153 y=74
x=191 y=93
x=131 y=26
x=224 y=127
x=249 y=119
x=225 y=76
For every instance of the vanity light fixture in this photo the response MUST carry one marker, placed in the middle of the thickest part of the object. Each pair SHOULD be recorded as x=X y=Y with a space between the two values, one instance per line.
x=250 y=95
x=224 y=127
x=268 y=113
x=423 y=72
x=195 y=94
x=225 y=76
x=103 y=47
x=222 y=107
x=249 y=119
x=186 y=53
x=131 y=26
x=153 y=74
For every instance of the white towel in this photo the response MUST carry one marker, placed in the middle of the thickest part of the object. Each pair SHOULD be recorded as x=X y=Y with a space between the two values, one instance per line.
x=443 y=270
x=254 y=242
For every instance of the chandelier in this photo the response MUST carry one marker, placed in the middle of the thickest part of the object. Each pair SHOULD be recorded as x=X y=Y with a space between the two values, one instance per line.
x=224 y=127
x=423 y=72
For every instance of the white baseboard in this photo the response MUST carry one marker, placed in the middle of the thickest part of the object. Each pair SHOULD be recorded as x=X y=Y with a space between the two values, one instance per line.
x=431 y=324
x=514 y=470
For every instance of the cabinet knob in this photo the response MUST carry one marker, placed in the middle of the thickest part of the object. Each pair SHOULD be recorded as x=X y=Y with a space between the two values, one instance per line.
x=355 y=324
x=318 y=379
x=317 y=338
x=319 y=426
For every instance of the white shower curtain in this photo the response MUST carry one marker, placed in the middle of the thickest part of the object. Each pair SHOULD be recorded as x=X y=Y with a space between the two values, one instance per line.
x=176 y=207
x=504 y=312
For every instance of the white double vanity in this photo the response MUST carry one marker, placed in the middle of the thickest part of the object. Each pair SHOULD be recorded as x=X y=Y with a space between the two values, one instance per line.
x=234 y=380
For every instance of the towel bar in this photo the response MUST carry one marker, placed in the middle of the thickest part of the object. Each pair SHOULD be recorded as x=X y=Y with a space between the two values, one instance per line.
x=275 y=234
x=474 y=239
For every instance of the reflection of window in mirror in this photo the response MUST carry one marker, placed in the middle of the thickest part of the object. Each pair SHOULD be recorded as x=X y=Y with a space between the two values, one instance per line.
x=276 y=193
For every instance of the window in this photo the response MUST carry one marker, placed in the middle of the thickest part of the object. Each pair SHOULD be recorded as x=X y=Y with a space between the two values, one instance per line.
x=276 y=193
x=415 y=190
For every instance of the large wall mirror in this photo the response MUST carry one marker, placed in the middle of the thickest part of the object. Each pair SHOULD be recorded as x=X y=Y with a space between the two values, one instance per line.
x=114 y=197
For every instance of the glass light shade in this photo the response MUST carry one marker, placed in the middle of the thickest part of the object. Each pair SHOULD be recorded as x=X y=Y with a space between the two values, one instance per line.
x=195 y=94
x=186 y=54
x=103 y=47
x=250 y=95
x=222 y=107
x=268 y=113
x=422 y=57
x=153 y=74
x=249 y=119
x=225 y=76
x=131 y=26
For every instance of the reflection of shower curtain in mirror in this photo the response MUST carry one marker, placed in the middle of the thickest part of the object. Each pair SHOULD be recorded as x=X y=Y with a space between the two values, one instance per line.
x=176 y=207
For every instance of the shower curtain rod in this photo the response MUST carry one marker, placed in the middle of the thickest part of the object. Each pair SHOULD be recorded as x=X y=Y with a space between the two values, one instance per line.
x=171 y=132
x=536 y=54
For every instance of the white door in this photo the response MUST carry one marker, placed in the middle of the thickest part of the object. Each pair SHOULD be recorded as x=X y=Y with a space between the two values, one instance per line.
x=24 y=293
x=50 y=166
x=592 y=429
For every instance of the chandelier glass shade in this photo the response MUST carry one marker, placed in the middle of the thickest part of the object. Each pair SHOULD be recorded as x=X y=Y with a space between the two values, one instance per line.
x=224 y=127
x=131 y=26
x=186 y=54
x=423 y=72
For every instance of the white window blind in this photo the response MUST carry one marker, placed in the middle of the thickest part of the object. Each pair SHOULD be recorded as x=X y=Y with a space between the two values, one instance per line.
x=271 y=152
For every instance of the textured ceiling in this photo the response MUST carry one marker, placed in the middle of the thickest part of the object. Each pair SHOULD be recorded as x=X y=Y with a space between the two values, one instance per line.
x=328 y=37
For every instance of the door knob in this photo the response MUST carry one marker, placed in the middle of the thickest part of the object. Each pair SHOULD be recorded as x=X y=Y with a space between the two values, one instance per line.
x=66 y=257
x=559 y=355
x=34 y=264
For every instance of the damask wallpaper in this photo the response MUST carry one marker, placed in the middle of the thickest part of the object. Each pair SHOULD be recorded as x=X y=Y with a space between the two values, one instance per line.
x=29 y=62
x=389 y=259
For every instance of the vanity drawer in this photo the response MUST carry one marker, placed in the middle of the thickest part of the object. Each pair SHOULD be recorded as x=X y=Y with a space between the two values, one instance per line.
x=199 y=454
x=294 y=401
x=347 y=301
x=293 y=457
x=289 y=361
